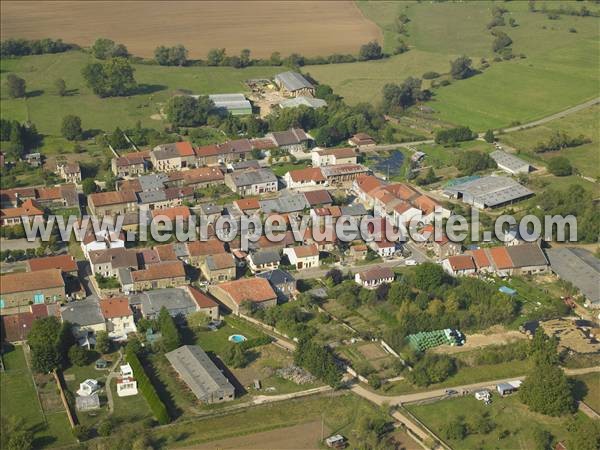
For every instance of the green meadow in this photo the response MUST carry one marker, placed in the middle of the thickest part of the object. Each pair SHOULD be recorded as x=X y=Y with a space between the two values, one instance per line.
x=585 y=158
x=560 y=68
x=46 y=109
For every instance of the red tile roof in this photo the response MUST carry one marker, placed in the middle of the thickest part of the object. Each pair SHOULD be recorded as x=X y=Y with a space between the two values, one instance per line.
x=305 y=251
x=480 y=257
x=172 y=213
x=256 y=290
x=346 y=152
x=115 y=307
x=402 y=191
x=169 y=269
x=461 y=262
x=28 y=208
x=376 y=273
x=368 y=183
x=184 y=148
x=426 y=204
x=16 y=327
x=112 y=198
x=31 y=281
x=500 y=257
x=64 y=262
x=201 y=299
x=318 y=197
x=307 y=174
x=203 y=248
x=247 y=203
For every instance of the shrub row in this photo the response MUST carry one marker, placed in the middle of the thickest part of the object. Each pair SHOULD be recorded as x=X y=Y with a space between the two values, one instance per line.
x=147 y=389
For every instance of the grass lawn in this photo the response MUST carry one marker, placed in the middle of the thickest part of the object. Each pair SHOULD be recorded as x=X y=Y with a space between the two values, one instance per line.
x=75 y=375
x=46 y=109
x=560 y=68
x=217 y=341
x=465 y=375
x=280 y=169
x=19 y=399
x=340 y=413
x=509 y=414
x=592 y=391
x=128 y=409
x=585 y=158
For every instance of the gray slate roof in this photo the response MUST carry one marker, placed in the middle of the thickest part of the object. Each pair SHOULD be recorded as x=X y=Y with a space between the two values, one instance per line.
x=153 y=182
x=293 y=81
x=277 y=277
x=252 y=177
x=152 y=196
x=526 y=255
x=83 y=312
x=230 y=101
x=303 y=101
x=578 y=266
x=509 y=161
x=490 y=191
x=171 y=298
x=284 y=204
x=266 y=256
x=200 y=374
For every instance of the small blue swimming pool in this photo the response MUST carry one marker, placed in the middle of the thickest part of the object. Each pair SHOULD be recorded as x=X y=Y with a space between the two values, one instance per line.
x=237 y=338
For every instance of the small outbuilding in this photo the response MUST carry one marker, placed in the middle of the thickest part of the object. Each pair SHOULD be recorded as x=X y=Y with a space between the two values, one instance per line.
x=508 y=388
x=88 y=402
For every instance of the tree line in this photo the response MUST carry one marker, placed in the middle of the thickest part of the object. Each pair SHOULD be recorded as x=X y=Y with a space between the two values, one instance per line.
x=24 y=47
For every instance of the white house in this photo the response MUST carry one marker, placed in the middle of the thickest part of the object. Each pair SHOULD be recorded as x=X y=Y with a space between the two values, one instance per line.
x=101 y=241
x=383 y=248
x=331 y=156
x=126 y=384
x=304 y=256
x=119 y=317
x=88 y=387
x=308 y=177
x=459 y=265
x=374 y=277
x=403 y=213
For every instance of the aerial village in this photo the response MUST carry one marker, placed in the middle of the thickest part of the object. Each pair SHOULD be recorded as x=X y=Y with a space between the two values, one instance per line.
x=121 y=297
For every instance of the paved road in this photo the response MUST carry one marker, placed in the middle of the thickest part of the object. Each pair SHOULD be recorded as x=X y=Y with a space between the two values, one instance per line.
x=557 y=115
x=543 y=120
x=441 y=393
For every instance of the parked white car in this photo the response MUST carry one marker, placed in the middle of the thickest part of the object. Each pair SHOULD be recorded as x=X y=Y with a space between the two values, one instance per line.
x=410 y=262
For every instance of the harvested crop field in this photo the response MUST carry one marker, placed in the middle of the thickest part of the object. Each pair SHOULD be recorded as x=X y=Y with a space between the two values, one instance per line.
x=305 y=436
x=309 y=28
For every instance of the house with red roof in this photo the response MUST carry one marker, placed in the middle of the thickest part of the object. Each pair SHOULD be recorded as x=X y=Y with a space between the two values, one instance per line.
x=255 y=291
x=118 y=316
x=302 y=178
x=175 y=156
x=14 y=216
x=204 y=303
x=459 y=265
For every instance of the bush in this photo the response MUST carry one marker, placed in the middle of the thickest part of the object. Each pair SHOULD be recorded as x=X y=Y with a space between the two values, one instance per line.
x=560 y=166
x=81 y=432
x=453 y=135
x=147 y=389
x=105 y=428
x=430 y=75
x=432 y=369
x=78 y=355
x=22 y=47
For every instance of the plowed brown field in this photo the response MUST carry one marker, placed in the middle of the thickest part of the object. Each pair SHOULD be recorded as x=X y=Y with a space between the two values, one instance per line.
x=310 y=28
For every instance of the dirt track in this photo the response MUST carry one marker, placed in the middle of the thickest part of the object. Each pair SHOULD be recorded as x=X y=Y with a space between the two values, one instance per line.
x=308 y=28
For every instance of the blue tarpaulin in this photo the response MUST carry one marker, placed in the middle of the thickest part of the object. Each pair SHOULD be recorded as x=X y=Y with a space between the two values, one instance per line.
x=507 y=290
